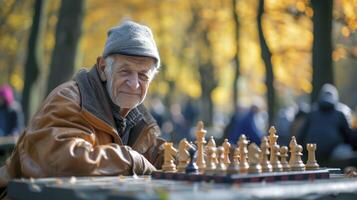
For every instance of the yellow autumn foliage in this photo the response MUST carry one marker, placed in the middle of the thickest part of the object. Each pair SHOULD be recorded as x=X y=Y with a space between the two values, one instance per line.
x=177 y=33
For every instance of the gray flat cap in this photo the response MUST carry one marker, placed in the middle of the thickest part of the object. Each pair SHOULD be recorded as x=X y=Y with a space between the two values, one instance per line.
x=131 y=38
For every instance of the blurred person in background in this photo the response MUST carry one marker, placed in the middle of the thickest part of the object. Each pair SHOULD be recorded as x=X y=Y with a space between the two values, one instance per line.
x=328 y=127
x=247 y=124
x=232 y=125
x=11 y=116
x=299 y=118
x=284 y=121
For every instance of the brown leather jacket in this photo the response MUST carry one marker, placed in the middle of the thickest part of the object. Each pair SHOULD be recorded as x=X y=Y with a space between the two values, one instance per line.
x=74 y=134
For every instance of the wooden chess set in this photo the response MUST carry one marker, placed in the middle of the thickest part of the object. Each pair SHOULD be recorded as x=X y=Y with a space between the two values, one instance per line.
x=241 y=163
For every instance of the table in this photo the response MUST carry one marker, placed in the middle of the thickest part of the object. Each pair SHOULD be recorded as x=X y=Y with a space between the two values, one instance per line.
x=144 y=187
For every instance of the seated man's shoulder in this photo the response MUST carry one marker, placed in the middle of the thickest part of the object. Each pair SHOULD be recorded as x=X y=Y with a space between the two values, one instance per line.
x=68 y=90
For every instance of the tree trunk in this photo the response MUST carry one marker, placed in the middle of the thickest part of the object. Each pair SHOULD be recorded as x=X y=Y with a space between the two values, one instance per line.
x=266 y=55
x=33 y=64
x=208 y=80
x=322 y=46
x=68 y=33
x=236 y=57
x=207 y=86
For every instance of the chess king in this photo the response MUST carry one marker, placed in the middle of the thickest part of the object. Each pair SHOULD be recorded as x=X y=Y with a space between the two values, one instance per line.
x=96 y=124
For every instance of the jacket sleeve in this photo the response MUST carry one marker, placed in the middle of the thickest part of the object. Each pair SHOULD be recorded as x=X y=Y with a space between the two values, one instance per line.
x=59 y=142
x=155 y=153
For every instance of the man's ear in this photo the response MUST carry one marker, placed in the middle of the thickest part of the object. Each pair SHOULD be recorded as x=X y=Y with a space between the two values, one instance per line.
x=101 y=67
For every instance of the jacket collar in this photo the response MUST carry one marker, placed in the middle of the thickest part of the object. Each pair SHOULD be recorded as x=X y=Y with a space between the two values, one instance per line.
x=130 y=120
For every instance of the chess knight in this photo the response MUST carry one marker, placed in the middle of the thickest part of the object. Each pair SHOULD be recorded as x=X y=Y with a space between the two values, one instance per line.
x=169 y=157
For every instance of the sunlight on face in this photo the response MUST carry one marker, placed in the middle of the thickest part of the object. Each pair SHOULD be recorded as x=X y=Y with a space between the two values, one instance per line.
x=128 y=79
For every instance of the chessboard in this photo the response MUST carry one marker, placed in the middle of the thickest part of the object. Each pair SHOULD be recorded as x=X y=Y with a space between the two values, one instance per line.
x=242 y=163
x=245 y=178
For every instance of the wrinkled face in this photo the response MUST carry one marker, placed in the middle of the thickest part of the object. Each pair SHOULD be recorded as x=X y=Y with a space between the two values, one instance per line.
x=128 y=79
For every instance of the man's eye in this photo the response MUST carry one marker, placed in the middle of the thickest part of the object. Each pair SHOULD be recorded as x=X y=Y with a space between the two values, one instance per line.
x=144 y=77
x=123 y=72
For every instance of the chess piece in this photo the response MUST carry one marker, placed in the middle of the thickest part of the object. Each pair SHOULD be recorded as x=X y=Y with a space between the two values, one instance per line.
x=211 y=143
x=233 y=167
x=274 y=158
x=221 y=167
x=253 y=159
x=226 y=146
x=292 y=146
x=243 y=150
x=192 y=167
x=264 y=161
x=311 y=163
x=183 y=155
x=236 y=155
x=169 y=153
x=273 y=137
x=211 y=160
x=297 y=165
x=200 y=141
x=284 y=158
x=274 y=150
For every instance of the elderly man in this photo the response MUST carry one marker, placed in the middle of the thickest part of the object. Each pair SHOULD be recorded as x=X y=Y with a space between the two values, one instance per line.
x=96 y=124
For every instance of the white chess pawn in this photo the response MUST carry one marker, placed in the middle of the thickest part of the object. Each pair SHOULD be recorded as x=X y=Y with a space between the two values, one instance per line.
x=274 y=159
x=284 y=158
x=253 y=159
x=211 y=160
x=221 y=167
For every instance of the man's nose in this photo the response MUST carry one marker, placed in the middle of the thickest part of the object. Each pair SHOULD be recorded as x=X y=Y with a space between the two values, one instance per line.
x=133 y=81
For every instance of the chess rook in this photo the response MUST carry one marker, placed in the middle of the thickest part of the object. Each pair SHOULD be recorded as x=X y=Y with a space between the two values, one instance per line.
x=311 y=163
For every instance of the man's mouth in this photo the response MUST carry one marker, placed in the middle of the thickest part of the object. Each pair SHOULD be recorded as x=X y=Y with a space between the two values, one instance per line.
x=129 y=93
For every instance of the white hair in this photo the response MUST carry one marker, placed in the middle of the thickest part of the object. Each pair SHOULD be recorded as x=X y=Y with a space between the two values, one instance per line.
x=109 y=62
